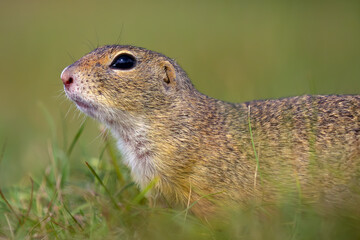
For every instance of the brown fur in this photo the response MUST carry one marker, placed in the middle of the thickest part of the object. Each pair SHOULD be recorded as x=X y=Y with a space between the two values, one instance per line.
x=199 y=146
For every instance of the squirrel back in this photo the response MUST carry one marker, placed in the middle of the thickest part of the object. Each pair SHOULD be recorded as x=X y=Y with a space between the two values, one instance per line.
x=214 y=152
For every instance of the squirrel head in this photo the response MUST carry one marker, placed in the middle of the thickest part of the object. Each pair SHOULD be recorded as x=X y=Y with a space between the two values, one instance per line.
x=116 y=78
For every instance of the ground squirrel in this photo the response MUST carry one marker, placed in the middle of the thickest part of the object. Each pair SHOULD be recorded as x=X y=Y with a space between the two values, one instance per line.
x=198 y=146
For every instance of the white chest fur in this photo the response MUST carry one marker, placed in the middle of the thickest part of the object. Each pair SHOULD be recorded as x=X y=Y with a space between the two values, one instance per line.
x=136 y=151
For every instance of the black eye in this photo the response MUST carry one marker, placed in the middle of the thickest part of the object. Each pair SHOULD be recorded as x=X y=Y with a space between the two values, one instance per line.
x=123 y=62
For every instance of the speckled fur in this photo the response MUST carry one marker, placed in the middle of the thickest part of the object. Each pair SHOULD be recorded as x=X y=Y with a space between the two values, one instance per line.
x=307 y=144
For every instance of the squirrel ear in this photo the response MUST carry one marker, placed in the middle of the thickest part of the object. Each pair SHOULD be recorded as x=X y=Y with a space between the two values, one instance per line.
x=170 y=74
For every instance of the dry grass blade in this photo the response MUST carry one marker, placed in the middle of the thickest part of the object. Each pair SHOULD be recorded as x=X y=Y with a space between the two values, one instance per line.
x=10 y=228
x=196 y=201
x=60 y=225
x=188 y=203
x=9 y=206
x=255 y=153
x=50 y=205
x=37 y=224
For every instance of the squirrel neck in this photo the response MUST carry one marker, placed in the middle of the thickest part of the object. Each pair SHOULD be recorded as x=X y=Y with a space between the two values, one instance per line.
x=142 y=139
x=135 y=146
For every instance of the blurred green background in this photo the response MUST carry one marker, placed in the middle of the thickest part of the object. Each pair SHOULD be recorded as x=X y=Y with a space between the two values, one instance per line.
x=232 y=50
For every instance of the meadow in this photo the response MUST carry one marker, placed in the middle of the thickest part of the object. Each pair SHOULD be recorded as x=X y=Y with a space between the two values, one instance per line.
x=61 y=176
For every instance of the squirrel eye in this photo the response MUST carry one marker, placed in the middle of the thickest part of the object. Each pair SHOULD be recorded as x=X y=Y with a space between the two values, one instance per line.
x=123 y=62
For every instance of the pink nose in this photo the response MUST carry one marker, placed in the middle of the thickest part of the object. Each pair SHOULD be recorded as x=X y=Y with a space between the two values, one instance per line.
x=67 y=78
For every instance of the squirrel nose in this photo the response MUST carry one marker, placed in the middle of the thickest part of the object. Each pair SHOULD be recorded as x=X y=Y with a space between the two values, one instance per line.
x=67 y=78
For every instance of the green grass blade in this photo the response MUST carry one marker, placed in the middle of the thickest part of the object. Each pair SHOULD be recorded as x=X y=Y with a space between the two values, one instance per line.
x=64 y=131
x=2 y=153
x=102 y=184
x=124 y=188
x=73 y=218
x=114 y=162
x=49 y=119
x=142 y=194
x=102 y=152
x=76 y=138
x=26 y=215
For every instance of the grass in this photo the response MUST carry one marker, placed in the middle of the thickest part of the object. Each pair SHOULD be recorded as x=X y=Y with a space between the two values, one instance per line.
x=106 y=204
x=254 y=149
